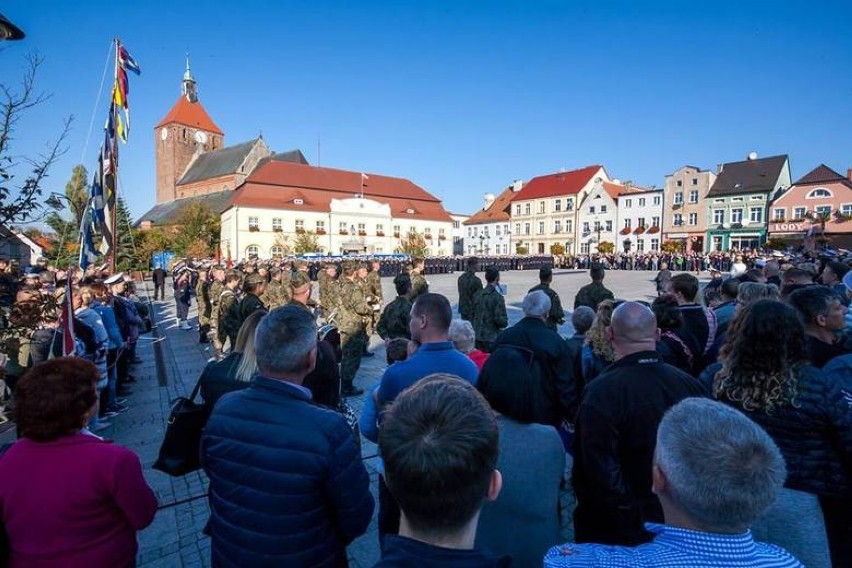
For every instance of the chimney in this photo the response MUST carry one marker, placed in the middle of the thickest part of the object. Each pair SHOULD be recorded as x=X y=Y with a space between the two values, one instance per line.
x=849 y=174
x=489 y=200
x=517 y=185
x=719 y=168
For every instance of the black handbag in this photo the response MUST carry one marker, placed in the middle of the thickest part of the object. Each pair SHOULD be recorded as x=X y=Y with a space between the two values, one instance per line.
x=180 y=450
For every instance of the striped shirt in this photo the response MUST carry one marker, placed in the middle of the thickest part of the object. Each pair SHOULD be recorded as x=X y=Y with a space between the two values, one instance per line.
x=674 y=547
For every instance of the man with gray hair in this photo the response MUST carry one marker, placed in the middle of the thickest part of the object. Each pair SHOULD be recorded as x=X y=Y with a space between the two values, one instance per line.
x=615 y=431
x=538 y=359
x=279 y=464
x=715 y=473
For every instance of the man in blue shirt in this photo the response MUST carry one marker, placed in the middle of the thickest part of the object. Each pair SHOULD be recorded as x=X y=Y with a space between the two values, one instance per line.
x=429 y=324
x=715 y=473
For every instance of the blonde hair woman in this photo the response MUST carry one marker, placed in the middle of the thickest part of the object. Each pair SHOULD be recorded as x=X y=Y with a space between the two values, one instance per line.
x=236 y=370
x=597 y=351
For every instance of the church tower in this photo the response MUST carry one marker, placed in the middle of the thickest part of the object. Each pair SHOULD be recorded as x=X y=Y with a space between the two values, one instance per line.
x=185 y=131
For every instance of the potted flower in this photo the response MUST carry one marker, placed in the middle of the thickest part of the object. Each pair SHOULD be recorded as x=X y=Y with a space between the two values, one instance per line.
x=653 y=230
x=362 y=233
x=427 y=236
x=380 y=233
x=639 y=230
x=343 y=232
x=442 y=237
x=320 y=231
x=253 y=228
x=625 y=231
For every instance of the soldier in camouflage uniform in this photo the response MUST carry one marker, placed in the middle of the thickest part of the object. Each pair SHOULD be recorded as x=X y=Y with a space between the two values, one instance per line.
x=202 y=295
x=393 y=322
x=274 y=295
x=353 y=308
x=229 y=309
x=419 y=285
x=593 y=294
x=468 y=284
x=217 y=286
x=329 y=290
x=361 y=278
x=556 y=317
x=489 y=311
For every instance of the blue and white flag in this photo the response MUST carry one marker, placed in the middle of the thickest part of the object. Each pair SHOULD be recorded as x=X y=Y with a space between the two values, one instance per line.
x=88 y=254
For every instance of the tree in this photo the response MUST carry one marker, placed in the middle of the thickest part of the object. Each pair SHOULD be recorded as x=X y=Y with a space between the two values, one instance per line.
x=671 y=246
x=521 y=249
x=196 y=230
x=775 y=243
x=306 y=242
x=148 y=243
x=557 y=249
x=76 y=196
x=414 y=245
x=125 y=239
x=19 y=201
x=605 y=247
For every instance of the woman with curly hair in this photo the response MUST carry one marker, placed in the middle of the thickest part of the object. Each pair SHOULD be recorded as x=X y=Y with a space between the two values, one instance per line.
x=597 y=351
x=764 y=372
x=67 y=497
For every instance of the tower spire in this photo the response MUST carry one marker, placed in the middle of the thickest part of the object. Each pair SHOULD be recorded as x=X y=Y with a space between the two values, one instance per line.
x=188 y=87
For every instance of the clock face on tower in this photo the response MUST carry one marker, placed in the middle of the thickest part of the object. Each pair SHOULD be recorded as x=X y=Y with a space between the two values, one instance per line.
x=200 y=137
x=164 y=133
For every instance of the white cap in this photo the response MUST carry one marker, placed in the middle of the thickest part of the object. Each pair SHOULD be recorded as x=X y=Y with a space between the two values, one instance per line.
x=115 y=278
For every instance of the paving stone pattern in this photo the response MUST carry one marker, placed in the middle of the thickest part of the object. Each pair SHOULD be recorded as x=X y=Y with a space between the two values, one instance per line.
x=175 y=538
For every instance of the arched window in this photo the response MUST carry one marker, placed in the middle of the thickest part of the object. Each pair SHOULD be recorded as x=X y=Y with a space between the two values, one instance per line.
x=819 y=192
x=252 y=251
x=277 y=252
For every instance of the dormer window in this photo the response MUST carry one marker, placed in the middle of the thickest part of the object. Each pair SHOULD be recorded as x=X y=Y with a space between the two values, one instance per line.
x=298 y=201
x=819 y=192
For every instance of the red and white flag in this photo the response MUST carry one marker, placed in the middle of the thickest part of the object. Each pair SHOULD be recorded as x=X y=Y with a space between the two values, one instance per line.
x=66 y=321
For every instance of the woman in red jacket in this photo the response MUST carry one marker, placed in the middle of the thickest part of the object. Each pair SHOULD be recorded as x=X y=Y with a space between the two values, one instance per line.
x=67 y=497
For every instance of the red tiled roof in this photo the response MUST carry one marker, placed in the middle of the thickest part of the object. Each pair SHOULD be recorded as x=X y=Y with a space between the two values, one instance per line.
x=498 y=212
x=616 y=190
x=552 y=185
x=823 y=174
x=190 y=114
x=276 y=185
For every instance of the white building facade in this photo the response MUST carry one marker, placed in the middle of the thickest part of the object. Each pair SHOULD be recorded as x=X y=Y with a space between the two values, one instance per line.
x=596 y=216
x=640 y=214
x=488 y=231
x=458 y=232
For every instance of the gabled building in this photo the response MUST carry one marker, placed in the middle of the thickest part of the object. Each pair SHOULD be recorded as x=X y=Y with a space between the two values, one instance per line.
x=349 y=212
x=488 y=230
x=639 y=224
x=458 y=232
x=544 y=211
x=738 y=202
x=685 y=205
x=597 y=216
x=820 y=203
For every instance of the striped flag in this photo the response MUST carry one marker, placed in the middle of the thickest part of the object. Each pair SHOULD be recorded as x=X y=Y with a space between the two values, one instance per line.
x=88 y=254
x=126 y=61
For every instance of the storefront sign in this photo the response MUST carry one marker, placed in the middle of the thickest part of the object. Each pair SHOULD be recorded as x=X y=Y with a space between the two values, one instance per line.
x=787 y=227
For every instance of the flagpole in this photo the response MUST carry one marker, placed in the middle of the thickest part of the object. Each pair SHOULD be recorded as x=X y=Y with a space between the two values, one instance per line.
x=113 y=257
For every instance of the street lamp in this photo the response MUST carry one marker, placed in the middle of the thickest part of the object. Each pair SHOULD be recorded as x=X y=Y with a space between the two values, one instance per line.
x=8 y=30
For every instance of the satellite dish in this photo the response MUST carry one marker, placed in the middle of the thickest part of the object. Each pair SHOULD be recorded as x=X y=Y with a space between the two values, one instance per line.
x=752 y=155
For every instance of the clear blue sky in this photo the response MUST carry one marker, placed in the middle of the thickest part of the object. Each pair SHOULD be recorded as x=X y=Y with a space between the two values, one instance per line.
x=459 y=96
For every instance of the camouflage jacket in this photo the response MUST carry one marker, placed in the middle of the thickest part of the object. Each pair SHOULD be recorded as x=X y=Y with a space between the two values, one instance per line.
x=353 y=307
x=374 y=283
x=273 y=296
x=489 y=314
x=229 y=312
x=329 y=293
x=469 y=284
x=556 y=315
x=393 y=322
x=418 y=284
x=202 y=295
x=216 y=289
x=591 y=295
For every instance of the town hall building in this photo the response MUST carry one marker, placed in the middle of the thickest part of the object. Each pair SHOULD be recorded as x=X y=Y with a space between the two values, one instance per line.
x=267 y=199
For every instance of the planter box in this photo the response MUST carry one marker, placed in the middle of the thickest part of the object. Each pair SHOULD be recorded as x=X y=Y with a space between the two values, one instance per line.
x=380 y=234
x=343 y=233
x=254 y=229
x=362 y=233
x=321 y=232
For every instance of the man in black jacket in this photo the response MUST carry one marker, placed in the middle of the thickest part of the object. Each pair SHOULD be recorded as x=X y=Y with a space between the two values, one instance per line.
x=253 y=288
x=615 y=432
x=539 y=360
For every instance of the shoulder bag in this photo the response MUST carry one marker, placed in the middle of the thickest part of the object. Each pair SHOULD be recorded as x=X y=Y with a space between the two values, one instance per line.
x=180 y=450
